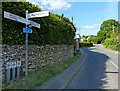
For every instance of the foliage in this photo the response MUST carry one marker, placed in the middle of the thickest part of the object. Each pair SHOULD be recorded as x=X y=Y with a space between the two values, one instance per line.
x=106 y=35
x=85 y=44
x=54 y=29
x=108 y=24
x=85 y=36
x=84 y=40
x=93 y=40
x=106 y=29
x=116 y=33
x=112 y=43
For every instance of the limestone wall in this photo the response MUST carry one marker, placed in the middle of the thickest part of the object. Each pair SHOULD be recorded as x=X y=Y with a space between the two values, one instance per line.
x=38 y=56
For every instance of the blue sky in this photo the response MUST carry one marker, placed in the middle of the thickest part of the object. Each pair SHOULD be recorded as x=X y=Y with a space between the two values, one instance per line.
x=89 y=15
x=86 y=15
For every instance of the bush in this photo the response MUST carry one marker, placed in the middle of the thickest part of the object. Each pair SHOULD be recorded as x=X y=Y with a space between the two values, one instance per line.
x=112 y=43
x=85 y=44
x=93 y=40
x=54 y=29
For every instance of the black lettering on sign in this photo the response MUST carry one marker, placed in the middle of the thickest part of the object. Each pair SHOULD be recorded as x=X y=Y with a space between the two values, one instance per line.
x=37 y=14
x=13 y=17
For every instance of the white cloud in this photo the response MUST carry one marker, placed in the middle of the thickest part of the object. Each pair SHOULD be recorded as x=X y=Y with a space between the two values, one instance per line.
x=37 y=4
x=91 y=27
x=97 y=24
x=92 y=0
x=83 y=0
x=88 y=27
x=55 y=4
x=51 y=4
x=34 y=3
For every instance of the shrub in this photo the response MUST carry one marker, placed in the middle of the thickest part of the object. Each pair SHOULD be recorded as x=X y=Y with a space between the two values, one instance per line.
x=112 y=43
x=54 y=29
x=82 y=44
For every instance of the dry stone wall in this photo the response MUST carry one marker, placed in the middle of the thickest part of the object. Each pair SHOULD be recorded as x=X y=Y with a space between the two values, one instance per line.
x=38 y=56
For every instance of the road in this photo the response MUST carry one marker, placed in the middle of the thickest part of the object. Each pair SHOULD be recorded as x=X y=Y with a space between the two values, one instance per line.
x=99 y=72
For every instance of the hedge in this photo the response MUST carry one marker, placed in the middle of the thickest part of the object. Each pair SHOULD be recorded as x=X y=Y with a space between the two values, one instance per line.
x=54 y=29
x=85 y=44
x=112 y=43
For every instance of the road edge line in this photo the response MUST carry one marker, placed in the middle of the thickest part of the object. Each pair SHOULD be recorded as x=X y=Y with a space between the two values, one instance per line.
x=113 y=64
x=75 y=73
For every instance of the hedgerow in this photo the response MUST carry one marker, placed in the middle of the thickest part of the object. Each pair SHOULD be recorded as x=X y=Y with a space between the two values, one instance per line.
x=85 y=44
x=54 y=29
x=112 y=43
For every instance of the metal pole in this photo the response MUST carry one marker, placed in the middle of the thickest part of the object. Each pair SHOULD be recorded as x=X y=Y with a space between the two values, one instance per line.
x=18 y=72
x=13 y=73
x=77 y=42
x=8 y=76
x=26 y=49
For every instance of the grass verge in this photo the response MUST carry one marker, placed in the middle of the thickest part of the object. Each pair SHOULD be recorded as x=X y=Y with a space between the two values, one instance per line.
x=36 y=79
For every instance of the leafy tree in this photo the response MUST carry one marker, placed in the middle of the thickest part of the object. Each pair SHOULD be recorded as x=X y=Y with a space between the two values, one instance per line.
x=93 y=40
x=83 y=36
x=62 y=15
x=107 y=36
x=84 y=40
x=106 y=29
x=108 y=23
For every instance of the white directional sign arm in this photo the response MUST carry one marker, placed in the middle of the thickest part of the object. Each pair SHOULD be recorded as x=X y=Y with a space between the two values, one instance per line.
x=20 y=19
x=34 y=24
x=38 y=14
x=14 y=17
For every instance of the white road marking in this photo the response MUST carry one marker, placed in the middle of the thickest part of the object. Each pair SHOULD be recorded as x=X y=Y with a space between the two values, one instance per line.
x=114 y=64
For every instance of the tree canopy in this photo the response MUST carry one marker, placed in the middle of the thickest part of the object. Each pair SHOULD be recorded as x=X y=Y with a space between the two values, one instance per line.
x=106 y=29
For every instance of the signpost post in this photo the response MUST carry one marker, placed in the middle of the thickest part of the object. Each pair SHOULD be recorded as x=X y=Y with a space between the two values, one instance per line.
x=77 y=40
x=18 y=68
x=26 y=49
x=13 y=70
x=26 y=30
x=8 y=67
x=31 y=15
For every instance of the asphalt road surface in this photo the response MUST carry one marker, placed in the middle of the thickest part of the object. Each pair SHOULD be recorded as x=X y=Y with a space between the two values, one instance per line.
x=99 y=72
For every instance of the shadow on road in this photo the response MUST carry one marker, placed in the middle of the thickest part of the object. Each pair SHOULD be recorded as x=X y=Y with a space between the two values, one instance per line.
x=93 y=74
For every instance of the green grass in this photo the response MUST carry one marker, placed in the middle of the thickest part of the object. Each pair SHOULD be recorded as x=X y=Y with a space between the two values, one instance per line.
x=36 y=79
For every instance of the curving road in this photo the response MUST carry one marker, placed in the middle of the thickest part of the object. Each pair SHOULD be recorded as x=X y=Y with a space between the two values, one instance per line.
x=99 y=72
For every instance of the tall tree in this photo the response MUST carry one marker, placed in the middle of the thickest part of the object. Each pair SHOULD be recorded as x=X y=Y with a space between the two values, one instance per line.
x=106 y=29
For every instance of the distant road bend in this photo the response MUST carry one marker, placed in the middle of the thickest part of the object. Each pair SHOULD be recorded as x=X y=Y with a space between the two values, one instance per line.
x=99 y=72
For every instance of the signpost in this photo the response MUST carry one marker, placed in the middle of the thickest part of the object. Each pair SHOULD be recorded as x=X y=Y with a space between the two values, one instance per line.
x=26 y=49
x=18 y=68
x=13 y=70
x=77 y=40
x=26 y=30
x=8 y=67
x=20 y=19
x=12 y=65
x=38 y=14
x=31 y=15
